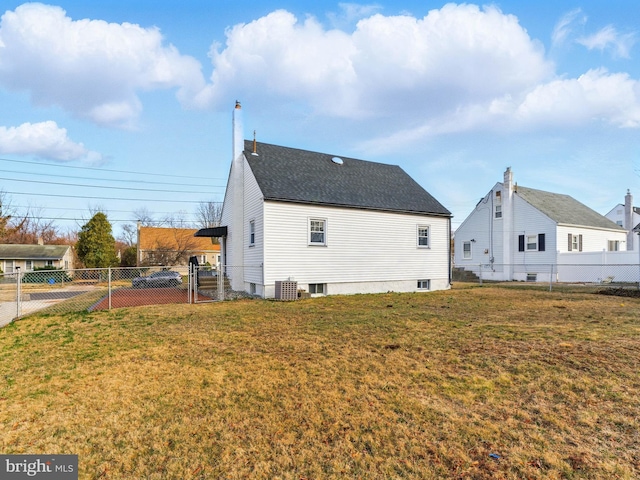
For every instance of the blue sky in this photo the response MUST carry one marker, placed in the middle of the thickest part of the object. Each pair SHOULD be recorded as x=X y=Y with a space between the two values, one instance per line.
x=126 y=105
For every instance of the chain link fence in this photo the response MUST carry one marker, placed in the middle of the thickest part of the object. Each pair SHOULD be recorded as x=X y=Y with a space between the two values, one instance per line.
x=62 y=291
x=554 y=275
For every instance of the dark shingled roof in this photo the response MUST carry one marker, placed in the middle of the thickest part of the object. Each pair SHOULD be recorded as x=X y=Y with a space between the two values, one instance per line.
x=32 y=252
x=564 y=209
x=292 y=175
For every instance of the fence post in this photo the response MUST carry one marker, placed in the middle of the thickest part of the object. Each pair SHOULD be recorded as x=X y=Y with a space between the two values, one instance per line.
x=551 y=277
x=18 y=293
x=480 y=273
x=221 y=273
x=109 y=286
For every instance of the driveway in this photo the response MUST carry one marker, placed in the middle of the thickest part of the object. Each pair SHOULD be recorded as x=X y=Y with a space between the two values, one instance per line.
x=38 y=301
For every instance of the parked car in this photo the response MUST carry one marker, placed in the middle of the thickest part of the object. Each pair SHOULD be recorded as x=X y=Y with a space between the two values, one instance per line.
x=164 y=278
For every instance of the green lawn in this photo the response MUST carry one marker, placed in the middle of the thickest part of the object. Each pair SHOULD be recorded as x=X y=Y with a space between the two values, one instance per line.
x=476 y=382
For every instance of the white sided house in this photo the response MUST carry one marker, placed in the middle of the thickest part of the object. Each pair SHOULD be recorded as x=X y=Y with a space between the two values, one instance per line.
x=628 y=217
x=320 y=220
x=518 y=233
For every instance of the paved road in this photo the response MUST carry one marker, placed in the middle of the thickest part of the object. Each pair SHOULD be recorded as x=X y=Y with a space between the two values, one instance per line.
x=38 y=301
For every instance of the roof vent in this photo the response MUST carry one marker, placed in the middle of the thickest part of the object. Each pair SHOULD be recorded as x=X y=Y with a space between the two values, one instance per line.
x=337 y=160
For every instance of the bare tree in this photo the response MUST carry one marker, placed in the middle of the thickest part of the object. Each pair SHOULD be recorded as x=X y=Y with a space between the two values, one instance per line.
x=144 y=216
x=208 y=214
x=177 y=220
x=129 y=235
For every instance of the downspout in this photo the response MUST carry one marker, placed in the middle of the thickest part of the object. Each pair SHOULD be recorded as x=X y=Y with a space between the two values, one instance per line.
x=449 y=253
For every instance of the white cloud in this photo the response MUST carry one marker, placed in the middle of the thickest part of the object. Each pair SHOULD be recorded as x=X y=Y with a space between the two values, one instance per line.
x=416 y=67
x=45 y=140
x=351 y=13
x=565 y=26
x=596 y=95
x=90 y=68
x=609 y=38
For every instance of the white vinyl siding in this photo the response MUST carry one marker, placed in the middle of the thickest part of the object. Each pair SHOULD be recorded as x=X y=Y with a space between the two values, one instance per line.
x=344 y=259
x=592 y=240
x=253 y=257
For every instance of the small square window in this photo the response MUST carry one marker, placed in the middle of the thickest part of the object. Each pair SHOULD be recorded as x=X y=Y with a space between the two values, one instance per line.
x=423 y=236
x=466 y=250
x=424 y=284
x=317 y=288
x=317 y=231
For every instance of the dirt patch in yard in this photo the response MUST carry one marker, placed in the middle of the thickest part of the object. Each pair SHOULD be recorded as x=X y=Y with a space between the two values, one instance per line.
x=134 y=297
x=620 y=292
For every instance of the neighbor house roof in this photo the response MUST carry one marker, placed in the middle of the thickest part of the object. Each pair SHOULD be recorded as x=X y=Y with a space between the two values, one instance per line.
x=33 y=252
x=564 y=209
x=152 y=238
x=300 y=176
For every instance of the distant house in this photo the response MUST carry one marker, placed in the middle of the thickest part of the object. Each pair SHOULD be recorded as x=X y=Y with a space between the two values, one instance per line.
x=174 y=246
x=33 y=257
x=320 y=220
x=628 y=217
x=515 y=233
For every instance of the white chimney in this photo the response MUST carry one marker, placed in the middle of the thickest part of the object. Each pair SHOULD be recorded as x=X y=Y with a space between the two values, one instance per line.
x=236 y=234
x=628 y=219
x=238 y=135
x=508 y=238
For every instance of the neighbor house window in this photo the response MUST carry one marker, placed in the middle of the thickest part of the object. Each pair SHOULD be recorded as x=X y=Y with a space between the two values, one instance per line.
x=466 y=250
x=423 y=236
x=252 y=233
x=317 y=231
x=575 y=243
x=498 y=211
x=619 y=223
x=614 y=245
x=9 y=266
x=203 y=259
x=531 y=243
x=317 y=288
x=28 y=265
x=424 y=284
x=49 y=263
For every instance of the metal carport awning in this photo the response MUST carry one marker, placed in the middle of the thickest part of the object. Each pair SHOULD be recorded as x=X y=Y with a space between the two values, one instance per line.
x=211 y=232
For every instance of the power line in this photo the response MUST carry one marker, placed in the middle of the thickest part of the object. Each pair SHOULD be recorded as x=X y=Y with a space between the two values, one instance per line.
x=100 y=186
x=103 y=198
x=80 y=209
x=67 y=219
x=107 y=179
x=107 y=170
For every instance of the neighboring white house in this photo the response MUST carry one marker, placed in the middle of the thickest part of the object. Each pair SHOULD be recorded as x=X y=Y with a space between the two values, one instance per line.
x=628 y=217
x=516 y=233
x=34 y=257
x=320 y=220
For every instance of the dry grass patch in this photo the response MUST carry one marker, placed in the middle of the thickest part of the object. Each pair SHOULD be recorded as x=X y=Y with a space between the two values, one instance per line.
x=480 y=382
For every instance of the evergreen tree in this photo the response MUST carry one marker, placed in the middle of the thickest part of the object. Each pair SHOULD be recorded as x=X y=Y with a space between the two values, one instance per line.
x=96 y=247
